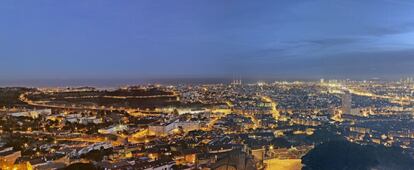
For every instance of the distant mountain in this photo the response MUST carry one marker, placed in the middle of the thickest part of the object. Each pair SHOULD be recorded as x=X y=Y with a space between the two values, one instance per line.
x=343 y=155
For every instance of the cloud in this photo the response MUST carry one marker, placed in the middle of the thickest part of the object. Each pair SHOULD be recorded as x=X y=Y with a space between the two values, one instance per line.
x=333 y=41
x=385 y=64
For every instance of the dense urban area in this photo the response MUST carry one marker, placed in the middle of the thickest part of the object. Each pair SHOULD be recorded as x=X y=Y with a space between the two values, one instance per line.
x=292 y=125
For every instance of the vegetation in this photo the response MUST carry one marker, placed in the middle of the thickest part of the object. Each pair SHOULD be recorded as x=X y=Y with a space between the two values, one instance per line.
x=97 y=155
x=9 y=97
x=81 y=166
x=345 y=155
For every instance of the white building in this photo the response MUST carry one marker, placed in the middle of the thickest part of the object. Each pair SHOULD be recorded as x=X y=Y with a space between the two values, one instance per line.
x=113 y=129
x=96 y=146
x=32 y=113
x=170 y=128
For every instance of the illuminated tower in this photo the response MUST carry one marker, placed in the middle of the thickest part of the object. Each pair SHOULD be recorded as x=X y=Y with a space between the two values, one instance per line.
x=346 y=103
x=236 y=81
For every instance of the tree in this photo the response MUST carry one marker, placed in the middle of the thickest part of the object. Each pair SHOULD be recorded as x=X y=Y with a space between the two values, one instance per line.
x=345 y=155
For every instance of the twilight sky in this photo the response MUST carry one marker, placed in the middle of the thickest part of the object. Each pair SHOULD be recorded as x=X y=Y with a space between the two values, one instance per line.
x=78 y=39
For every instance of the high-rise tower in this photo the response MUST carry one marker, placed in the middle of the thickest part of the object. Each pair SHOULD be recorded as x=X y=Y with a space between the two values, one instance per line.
x=346 y=103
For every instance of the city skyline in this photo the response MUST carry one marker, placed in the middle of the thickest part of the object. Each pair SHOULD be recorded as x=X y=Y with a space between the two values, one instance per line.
x=140 y=40
x=206 y=85
x=261 y=126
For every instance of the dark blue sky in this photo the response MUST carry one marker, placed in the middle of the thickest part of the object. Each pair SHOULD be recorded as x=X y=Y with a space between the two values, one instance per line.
x=78 y=39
